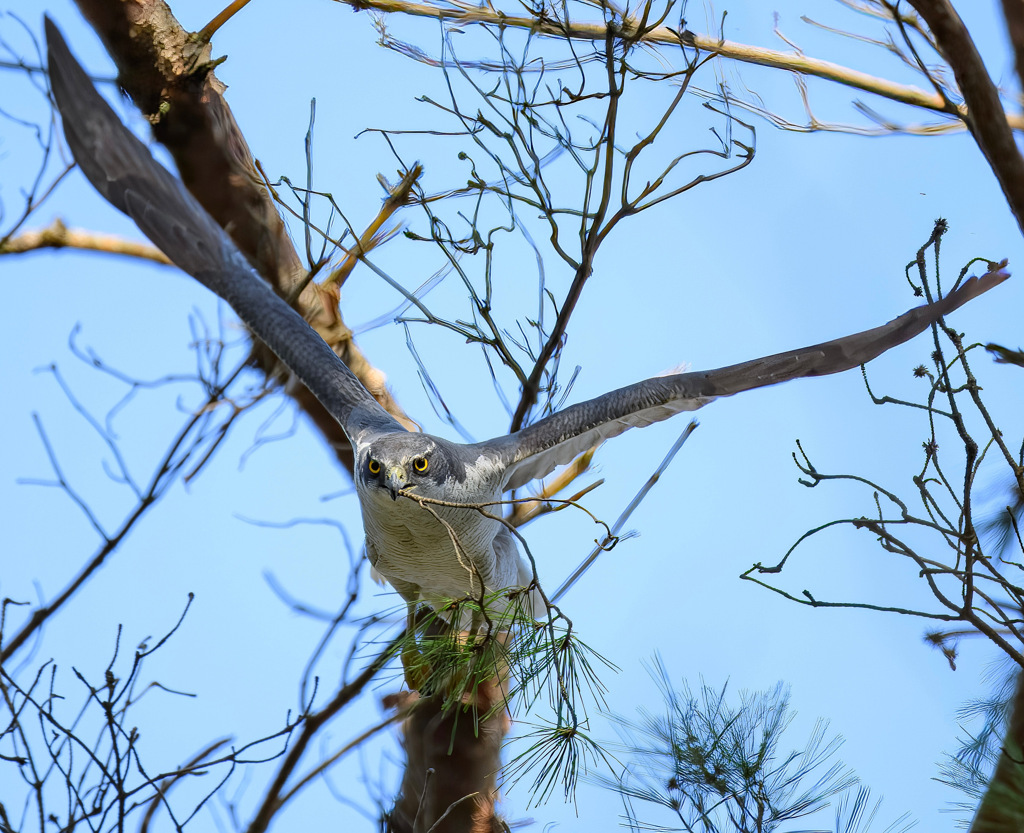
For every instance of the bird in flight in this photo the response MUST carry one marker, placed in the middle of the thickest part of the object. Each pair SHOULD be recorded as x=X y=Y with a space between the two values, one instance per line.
x=422 y=495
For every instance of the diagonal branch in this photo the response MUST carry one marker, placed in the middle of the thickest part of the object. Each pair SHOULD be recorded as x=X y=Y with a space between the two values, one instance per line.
x=277 y=794
x=985 y=117
x=169 y=75
x=1013 y=11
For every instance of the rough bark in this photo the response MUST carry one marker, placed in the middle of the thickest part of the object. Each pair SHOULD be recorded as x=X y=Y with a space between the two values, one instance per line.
x=169 y=75
x=1002 y=807
x=1013 y=12
x=454 y=784
x=985 y=117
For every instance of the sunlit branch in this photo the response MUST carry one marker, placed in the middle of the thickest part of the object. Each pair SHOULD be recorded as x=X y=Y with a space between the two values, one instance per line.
x=465 y=13
x=398 y=196
x=59 y=236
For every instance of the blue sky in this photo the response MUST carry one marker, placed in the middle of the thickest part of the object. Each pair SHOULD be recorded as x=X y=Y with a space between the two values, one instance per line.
x=806 y=244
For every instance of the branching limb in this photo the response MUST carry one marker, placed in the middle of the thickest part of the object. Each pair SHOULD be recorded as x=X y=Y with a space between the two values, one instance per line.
x=970 y=586
x=277 y=794
x=188 y=444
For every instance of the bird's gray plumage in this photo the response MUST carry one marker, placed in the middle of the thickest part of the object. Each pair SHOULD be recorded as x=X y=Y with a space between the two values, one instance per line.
x=431 y=551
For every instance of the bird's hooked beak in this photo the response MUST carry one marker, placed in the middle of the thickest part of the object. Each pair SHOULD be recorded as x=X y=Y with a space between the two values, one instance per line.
x=395 y=481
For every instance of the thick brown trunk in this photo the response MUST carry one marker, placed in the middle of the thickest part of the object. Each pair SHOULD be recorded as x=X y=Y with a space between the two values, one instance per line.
x=450 y=781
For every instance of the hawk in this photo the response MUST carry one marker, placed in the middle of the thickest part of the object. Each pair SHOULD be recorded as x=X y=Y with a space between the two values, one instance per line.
x=431 y=545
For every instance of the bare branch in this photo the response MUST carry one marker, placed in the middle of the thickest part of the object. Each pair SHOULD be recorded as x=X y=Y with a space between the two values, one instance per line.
x=59 y=236
x=663 y=35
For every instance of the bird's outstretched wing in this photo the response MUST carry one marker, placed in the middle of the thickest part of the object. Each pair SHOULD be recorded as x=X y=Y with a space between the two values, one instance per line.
x=124 y=171
x=537 y=450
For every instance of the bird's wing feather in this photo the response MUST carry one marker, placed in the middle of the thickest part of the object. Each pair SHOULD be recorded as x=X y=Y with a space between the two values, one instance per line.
x=124 y=171
x=555 y=440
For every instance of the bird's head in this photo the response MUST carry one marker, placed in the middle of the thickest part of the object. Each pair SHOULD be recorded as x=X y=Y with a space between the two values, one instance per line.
x=417 y=462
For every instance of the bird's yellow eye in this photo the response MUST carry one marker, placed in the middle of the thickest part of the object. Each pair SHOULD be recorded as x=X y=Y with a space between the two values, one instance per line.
x=373 y=467
x=420 y=464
